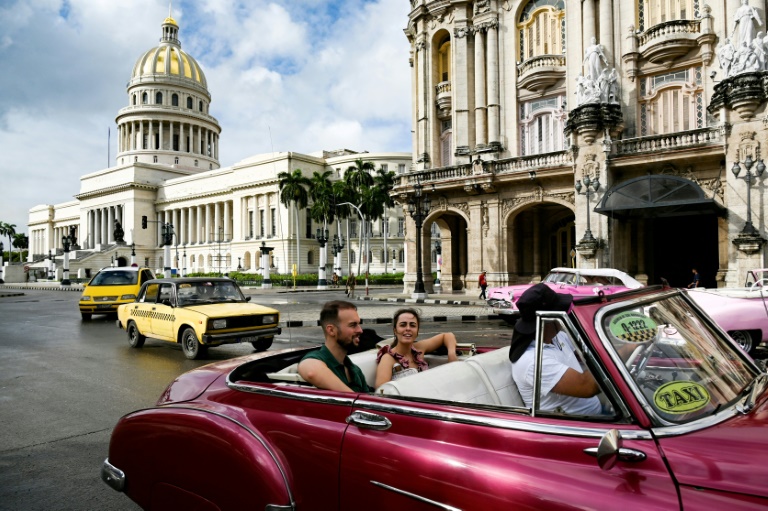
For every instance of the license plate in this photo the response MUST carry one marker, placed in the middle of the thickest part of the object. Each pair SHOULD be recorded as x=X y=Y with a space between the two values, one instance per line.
x=104 y=306
x=249 y=339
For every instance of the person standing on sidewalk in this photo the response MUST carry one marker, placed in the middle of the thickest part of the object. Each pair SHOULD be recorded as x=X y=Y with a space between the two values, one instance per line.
x=483 y=285
x=351 y=285
x=696 y=279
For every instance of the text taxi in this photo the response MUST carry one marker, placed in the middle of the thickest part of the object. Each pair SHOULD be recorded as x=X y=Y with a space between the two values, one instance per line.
x=197 y=313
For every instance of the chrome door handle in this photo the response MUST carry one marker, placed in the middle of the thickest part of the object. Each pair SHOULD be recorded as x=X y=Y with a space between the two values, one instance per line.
x=367 y=420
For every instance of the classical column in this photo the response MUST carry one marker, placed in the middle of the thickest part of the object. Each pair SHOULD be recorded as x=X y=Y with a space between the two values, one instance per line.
x=493 y=85
x=588 y=22
x=481 y=131
x=216 y=221
x=208 y=225
x=460 y=85
x=226 y=222
x=181 y=233
x=160 y=142
x=606 y=30
x=170 y=136
x=151 y=131
x=422 y=92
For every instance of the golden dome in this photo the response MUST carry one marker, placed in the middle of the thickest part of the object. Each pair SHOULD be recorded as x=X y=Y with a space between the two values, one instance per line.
x=171 y=21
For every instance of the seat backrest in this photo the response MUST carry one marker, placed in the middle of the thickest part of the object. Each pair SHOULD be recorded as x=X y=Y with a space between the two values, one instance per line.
x=366 y=361
x=496 y=367
x=457 y=381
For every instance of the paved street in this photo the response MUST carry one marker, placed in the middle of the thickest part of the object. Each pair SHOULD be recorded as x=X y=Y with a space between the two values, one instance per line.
x=64 y=383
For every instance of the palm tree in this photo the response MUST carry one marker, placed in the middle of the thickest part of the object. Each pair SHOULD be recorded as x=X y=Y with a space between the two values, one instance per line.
x=372 y=207
x=358 y=178
x=21 y=242
x=384 y=181
x=342 y=193
x=293 y=190
x=8 y=230
x=322 y=210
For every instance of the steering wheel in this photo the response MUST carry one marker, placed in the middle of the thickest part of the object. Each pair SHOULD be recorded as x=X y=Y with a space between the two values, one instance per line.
x=759 y=283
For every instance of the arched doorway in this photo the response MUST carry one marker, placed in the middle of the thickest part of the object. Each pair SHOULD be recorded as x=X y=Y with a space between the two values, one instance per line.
x=453 y=243
x=539 y=237
x=662 y=227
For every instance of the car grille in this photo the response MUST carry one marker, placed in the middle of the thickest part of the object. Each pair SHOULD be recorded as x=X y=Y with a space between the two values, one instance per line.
x=104 y=298
x=240 y=322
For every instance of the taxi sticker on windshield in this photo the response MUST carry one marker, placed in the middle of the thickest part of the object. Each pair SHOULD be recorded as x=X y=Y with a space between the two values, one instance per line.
x=678 y=397
x=632 y=327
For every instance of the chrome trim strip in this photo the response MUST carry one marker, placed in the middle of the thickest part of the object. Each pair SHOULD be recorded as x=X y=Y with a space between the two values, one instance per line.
x=113 y=476
x=273 y=392
x=254 y=434
x=516 y=425
x=415 y=497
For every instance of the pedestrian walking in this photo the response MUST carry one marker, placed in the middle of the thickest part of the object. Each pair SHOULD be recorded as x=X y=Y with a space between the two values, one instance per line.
x=483 y=285
x=696 y=277
x=351 y=285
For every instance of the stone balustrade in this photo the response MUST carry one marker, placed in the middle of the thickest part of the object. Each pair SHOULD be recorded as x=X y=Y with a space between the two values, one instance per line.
x=679 y=140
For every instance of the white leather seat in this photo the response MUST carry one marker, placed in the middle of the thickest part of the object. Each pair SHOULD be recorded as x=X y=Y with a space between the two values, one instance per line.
x=497 y=369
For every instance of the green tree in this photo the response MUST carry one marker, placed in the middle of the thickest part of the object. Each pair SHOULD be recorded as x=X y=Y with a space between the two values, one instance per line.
x=322 y=211
x=384 y=181
x=21 y=242
x=8 y=230
x=359 y=179
x=293 y=190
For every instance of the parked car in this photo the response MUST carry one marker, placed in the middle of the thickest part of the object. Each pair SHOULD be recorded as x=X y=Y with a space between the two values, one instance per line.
x=742 y=312
x=684 y=426
x=575 y=281
x=111 y=287
x=197 y=313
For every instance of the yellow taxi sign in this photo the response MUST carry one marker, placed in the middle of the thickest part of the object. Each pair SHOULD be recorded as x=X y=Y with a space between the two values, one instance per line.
x=678 y=397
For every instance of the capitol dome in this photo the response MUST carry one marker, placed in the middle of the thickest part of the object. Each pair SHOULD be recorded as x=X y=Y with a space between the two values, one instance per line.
x=168 y=59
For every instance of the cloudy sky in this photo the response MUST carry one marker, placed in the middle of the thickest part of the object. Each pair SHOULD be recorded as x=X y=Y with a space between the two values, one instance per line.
x=284 y=75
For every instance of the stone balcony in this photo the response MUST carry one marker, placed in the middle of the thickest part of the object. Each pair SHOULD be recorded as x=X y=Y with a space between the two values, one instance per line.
x=443 y=99
x=542 y=72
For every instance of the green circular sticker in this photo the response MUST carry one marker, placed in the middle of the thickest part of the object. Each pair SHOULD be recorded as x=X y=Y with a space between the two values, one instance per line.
x=680 y=397
x=632 y=327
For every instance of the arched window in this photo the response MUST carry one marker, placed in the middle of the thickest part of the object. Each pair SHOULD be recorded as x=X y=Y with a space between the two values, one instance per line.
x=444 y=61
x=541 y=125
x=176 y=160
x=175 y=100
x=134 y=100
x=158 y=98
x=654 y=12
x=144 y=98
x=189 y=103
x=671 y=102
x=541 y=29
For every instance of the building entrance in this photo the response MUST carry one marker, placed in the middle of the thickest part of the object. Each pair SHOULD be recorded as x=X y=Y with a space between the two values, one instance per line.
x=675 y=245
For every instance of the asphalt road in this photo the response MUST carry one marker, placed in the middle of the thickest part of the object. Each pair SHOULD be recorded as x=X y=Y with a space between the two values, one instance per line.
x=64 y=384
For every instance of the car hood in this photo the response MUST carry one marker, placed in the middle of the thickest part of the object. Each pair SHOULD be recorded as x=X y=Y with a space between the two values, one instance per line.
x=728 y=457
x=214 y=310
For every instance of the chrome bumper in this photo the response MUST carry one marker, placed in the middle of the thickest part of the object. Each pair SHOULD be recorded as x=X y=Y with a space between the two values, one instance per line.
x=113 y=476
x=233 y=337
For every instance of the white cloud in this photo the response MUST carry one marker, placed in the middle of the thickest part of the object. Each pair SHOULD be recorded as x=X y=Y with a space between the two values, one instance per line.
x=303 y=75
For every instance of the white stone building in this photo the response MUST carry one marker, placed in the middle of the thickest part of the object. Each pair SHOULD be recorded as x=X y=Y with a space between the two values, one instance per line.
x=167 y=169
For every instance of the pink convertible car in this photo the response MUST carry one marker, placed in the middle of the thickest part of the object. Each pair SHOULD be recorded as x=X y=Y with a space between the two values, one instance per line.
x=742 y=312
x=577 y=282
x=683 y=425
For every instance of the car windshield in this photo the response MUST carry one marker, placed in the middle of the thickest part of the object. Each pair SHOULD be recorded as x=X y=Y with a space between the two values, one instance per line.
x=560 y=278
x=115 y=278
x=208 y=292
x=681 y=367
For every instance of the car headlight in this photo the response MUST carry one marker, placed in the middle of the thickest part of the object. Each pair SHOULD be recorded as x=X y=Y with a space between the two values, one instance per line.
x=85 y=298
x=128 y=297
x=269 y=318
x=219 y=323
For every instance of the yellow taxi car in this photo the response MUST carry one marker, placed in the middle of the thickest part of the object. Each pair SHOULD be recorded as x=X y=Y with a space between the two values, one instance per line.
x=110 y=287
x=198 y=313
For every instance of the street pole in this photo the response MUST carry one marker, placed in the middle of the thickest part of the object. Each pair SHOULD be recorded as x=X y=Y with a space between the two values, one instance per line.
x=2 y=253
x=65 y=241
x=418 y=208
x=590 y=187
x=749 y=178
x=322 y=240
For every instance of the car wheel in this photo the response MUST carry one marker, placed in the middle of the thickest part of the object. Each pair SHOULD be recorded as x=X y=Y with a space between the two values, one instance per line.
x=135 y=339
x=86 y=316
x=191 y=346
x=262 y=344
x=744 y=339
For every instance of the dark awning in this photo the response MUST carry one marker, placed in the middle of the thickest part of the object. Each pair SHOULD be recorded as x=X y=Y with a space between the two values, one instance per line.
x=656 y=196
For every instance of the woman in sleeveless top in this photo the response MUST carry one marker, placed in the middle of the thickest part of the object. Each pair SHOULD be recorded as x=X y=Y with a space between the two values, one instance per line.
x=406 y=351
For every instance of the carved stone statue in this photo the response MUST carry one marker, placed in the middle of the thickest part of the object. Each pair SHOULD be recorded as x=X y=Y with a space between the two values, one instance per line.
x=744 y=19
x=594 y=61
x=72 y=235
x=119 y=233
x=725 y=56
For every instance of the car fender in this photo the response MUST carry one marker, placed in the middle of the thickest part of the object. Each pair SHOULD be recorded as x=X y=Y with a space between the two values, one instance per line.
x=201 y=453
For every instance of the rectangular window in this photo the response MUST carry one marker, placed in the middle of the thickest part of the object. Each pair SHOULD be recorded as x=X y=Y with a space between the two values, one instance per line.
x=401 y=168
x=400 y=227
x=309 y=225
x=384 y=167
x=273 y=219
x=353 y=227
x=261 y=223
x=250 y=224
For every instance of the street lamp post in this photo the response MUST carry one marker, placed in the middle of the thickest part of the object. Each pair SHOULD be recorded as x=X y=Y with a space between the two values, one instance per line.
x=184 y=259
x=266 y=283
x=439 y=251
x=50 y=266
x=590 y=187
x=133 y=254
x=394 y=260
x=418 y=208
x=322 y=240
x=167 y=240
x=749 y=178
x=336 y=247
x=362 y=226
x=239 y=266
x=66 y=242
x=2 y=253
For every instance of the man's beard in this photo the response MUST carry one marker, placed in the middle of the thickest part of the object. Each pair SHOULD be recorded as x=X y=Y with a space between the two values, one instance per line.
x=348 y=342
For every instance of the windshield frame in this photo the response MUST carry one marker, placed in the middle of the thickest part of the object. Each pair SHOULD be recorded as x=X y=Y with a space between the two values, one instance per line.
x=724 y=411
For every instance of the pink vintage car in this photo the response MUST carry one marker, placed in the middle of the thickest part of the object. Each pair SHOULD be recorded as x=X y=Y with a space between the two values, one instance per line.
x=742 y=312
x=577 y=282
x=683 y=425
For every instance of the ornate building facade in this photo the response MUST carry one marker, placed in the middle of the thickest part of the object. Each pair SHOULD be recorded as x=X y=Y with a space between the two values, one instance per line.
x=595 y=133
x=167 y=169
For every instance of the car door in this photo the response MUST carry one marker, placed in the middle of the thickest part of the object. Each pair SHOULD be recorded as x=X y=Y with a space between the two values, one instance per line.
x=163 y=314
